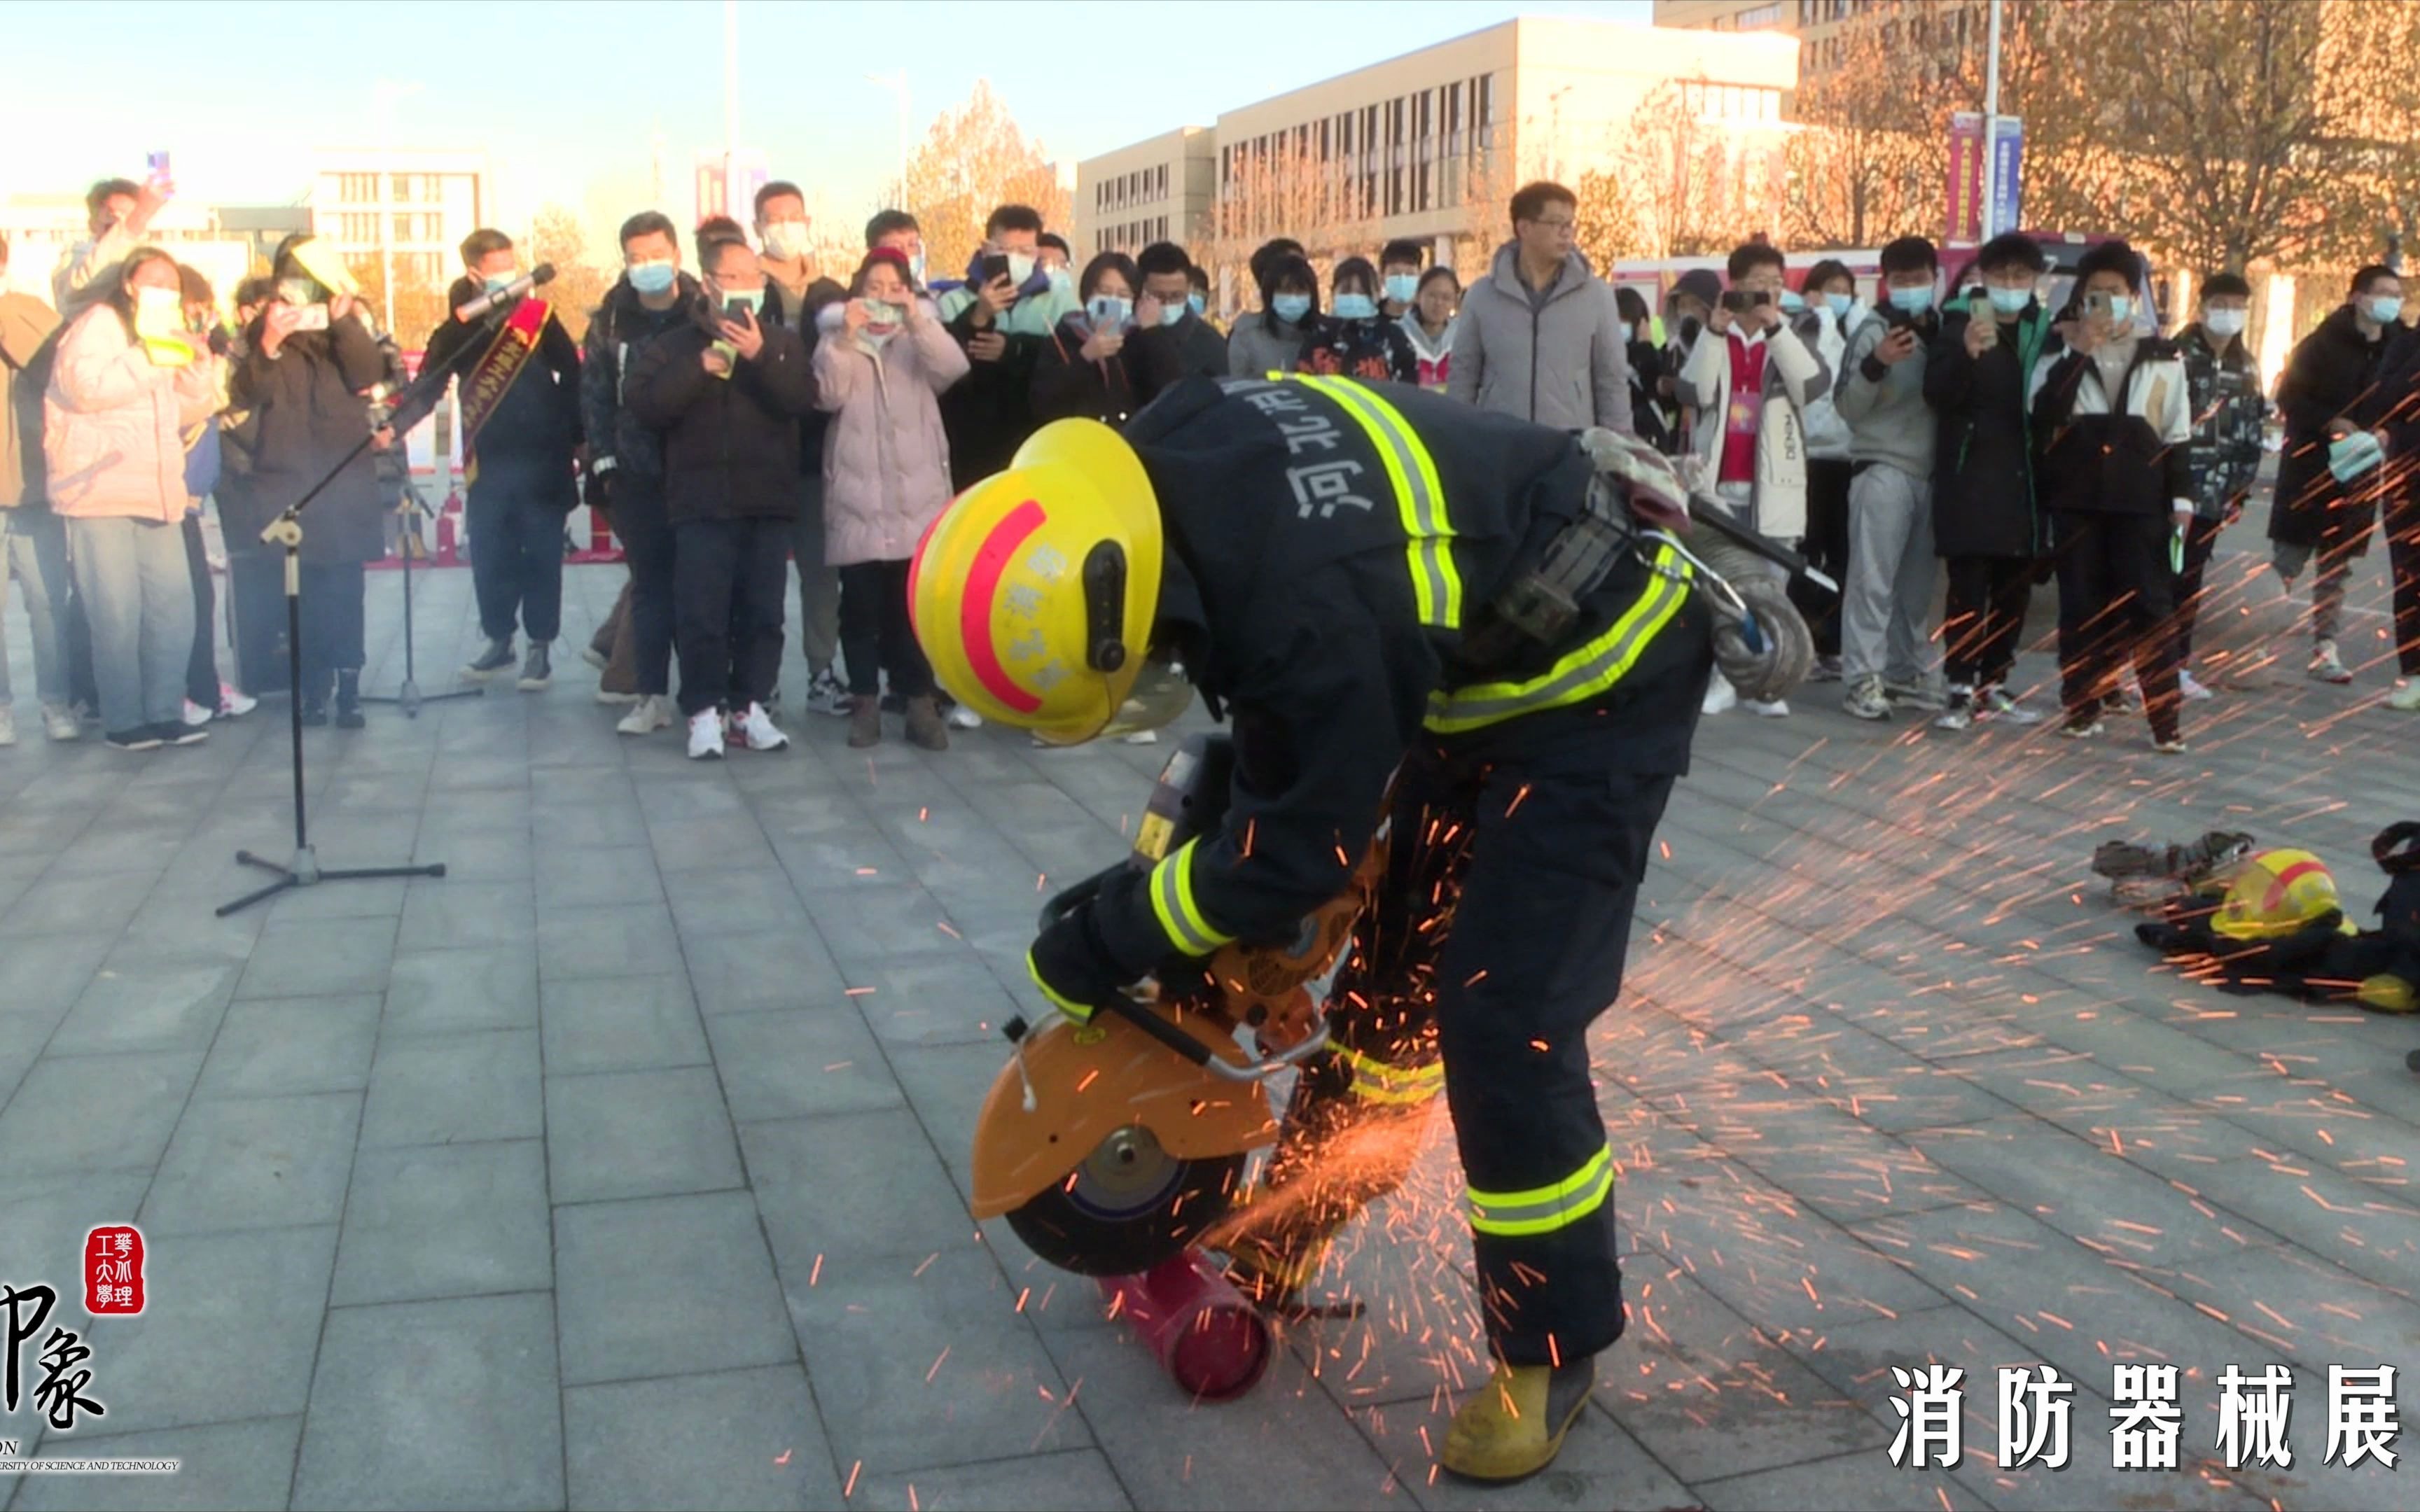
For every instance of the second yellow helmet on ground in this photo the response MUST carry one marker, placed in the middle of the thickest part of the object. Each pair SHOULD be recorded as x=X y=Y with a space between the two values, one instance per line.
x=2275 y=893
x=1034 y=593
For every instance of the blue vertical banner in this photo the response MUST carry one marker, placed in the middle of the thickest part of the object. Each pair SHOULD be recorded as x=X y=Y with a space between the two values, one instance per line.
x=2007 y=147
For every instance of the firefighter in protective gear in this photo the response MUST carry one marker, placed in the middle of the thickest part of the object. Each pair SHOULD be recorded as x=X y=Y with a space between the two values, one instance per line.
x=1405 y=604
x=2273 y=921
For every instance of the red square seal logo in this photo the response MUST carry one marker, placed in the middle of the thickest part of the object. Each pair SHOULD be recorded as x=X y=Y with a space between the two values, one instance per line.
x=112 y=1270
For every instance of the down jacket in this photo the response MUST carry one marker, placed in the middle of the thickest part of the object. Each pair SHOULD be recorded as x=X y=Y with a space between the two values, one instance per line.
x=1795 y=376
x=886 y=455
x=113 y=422
x=1561 y=361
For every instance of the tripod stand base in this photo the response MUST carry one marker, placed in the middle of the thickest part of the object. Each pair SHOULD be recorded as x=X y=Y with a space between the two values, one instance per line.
x=409 y=698
x=305 y=872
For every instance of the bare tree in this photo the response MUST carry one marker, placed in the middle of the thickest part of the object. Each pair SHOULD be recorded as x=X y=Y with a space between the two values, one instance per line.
x=974 y=160
x=1870 y=158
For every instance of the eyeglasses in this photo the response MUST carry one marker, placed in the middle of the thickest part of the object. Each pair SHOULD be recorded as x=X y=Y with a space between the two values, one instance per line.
x=1554 y=225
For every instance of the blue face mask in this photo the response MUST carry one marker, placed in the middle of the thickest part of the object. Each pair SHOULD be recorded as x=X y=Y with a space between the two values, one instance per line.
x=1792 y=301
x=1170 y=313
x=1291 y=308
x=1914 y=300
x=2121 y=310
x=1108 y=310
x=1356 y=308
x=651 y=278
x=1841 y=303
x=1195 y=303
x=2386 y=309
x=496 y=281
x=1401 y=289
x=2010 y=301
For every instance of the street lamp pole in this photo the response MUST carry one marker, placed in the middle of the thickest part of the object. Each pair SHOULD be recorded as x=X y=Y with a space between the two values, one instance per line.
x=897 y=84
x=1991 y=119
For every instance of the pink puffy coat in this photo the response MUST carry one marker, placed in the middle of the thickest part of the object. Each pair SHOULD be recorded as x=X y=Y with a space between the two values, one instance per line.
x=112 y=423
x=886 y=461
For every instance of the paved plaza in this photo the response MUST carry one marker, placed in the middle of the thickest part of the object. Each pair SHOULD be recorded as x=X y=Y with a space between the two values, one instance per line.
x=625 y=1167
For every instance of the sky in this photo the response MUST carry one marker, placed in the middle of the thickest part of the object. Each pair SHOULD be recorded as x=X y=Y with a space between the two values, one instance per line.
x=567 y=98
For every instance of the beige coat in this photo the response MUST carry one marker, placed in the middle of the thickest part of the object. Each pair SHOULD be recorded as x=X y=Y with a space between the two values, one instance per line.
x=886 y=459
x=113 y=422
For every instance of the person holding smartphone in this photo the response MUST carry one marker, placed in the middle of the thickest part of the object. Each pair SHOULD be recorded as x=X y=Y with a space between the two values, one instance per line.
x=2112 y=412
x=1082 y=371
x=726 y=390
x=118 y=212
x=1985 y=522
x=1000 y=317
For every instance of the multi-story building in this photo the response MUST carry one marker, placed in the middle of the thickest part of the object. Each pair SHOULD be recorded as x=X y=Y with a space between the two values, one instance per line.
x=1153 y=191
x=224 y=242
x=1430 y=145
x=1823 y=26
x=413 y=205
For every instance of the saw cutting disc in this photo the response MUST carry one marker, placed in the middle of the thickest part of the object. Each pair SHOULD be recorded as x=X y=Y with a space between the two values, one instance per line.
x=1129 y=1206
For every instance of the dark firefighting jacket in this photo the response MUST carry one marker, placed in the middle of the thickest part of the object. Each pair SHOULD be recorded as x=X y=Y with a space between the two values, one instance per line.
x=1334 y=551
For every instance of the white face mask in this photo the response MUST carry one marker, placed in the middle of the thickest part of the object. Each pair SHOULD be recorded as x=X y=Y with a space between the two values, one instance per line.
x=2227 y=322
x=159 y=312
x=1020 y=268
x=785 y=239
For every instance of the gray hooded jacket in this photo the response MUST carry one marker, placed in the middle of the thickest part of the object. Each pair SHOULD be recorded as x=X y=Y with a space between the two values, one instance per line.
x=1560 y=360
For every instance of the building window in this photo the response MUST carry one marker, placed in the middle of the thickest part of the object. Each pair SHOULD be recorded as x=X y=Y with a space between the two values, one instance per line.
x=1748 y=20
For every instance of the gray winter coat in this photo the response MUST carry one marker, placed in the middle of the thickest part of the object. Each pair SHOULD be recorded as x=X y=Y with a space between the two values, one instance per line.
x=1560 y=360
x=1255 y=352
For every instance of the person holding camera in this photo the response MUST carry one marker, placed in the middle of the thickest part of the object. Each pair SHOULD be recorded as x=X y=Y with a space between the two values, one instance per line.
x=309 y=359
x=1750 y=378
x=1000 y=317
x=727 y=390
x=2112 y=412
x=1083 y=370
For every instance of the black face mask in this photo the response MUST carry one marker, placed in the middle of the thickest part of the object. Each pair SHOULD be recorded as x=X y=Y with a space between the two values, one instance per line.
x=1690 y=326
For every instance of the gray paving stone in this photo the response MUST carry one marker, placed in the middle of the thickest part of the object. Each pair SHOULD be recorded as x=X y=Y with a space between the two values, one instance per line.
x=255 y=1162
x=639 y=1133
x=739 y=1439
x=881 y=922
x=937 y=1001
x=454 y=1089
x=95 y=1113
x=230 y=1326
x=733 y=900
x=1601 y=1465
x=473 y=853
x=1078 y=1480
x=44 y=1219
x=278 y=1046
x=449 y=991
x=446 y=1221
x=667 y=1286
x=851 y=1183
x=695 y=842
x=446 y=912
x=621 y=1024
x=147 y=1005
x=48 y=972
x=248 y=1464
x=70 y=904
x=473 y=1374
x=918 y=1366
x=791 y=1064
x=753 y=973
x=321 y=957
x=1840 y=1481
x=593 y=873
x=620 y=940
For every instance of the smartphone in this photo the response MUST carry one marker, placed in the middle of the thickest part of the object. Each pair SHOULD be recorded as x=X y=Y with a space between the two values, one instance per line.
x=311 y=317
x=159 y=167
x=738 y=313
x=995 y=266
x=1895 y=318
x=1979 y=310
x=1741 y=301
x=2096 y=302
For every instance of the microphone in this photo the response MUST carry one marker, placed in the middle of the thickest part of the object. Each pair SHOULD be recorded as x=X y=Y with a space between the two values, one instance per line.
x=542 y=273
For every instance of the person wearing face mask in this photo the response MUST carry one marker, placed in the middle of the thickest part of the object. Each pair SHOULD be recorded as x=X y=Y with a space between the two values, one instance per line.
x=885 y=462
x=1354 y=339
x=119 y=214
x=2330 y=476
x=1083 y=371
x=724 y=388
x=1886 y=584
x=1985 y=521
x=1692 y=300
x=205 y=697
x=1199 y=298
x=520 y=420
x=1428 y=327
x=797 y=297
x=652 y=299
x=308 y=359
x=1831 y=296
x=33 y=542
x=899 y=231
x=1650 y=383
x=128 y=376
x=1750 y=378
x=1170 y=342
x=2113 y=412
x=1539 y=337
x=1000 y=317
x=1270 y=341
x=1399 y=276
x=1057 y=260
x=2228 y=412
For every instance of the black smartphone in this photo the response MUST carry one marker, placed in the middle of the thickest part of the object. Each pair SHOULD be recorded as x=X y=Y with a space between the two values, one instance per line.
x=1896 y=318
x=1741 y=301
x=738 y=313
x=995 y=266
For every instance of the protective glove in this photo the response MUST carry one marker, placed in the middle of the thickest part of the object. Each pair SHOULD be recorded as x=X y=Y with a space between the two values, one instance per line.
x=1654 y=487
x=1072 y=966
x=1761 y=644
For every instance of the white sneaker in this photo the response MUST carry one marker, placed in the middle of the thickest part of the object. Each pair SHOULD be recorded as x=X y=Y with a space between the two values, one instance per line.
x=1767 y=709
x=648 y=715
x=751 y=729
x=2327 y=666
x=234 y=703
x=196 y=714
x=962 y=717
x=1721 y=697
x=2405 y=697
x=827 y=694
x=594 y=658
x=706 y=735
x=61 y=724
x=7 y=725
x=1995 y=703
x=613 y=699
x=2190 y=687
x=1141 y=737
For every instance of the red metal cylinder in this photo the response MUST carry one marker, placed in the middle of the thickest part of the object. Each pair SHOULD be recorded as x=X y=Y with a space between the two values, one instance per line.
x=1206 y=1337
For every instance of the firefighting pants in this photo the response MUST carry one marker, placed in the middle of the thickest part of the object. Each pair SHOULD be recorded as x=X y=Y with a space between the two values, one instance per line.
x=1500 y=935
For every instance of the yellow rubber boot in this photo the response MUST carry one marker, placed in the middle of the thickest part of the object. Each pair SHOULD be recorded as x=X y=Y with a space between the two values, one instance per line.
x=1515 y=1426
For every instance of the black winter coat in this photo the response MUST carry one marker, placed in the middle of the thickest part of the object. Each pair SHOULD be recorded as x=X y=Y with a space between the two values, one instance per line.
x=2332 y=374
x=2115 y=462
x=306 y=409
x=524 y=449
x=620 y=331
x=1068 y=384
x=1983 y=502
x=988 y=414
x=1375 y=350
x=2398 y=409
x=731 y=444
x=1160 y=357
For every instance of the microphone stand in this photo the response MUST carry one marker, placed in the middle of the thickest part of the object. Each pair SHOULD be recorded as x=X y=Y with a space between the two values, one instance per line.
x=409 y=698
x=286 y=531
